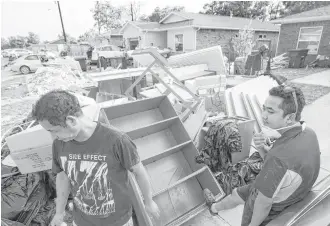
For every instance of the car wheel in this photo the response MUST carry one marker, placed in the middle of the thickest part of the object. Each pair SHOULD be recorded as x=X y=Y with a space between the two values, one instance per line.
x=25 y=70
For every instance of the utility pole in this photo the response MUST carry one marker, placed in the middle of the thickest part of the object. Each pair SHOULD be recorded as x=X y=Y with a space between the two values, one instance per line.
x=59 y=10
x=132 y=13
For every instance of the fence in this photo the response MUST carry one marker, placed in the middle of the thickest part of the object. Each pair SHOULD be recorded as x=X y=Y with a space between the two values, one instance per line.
x=75 y=49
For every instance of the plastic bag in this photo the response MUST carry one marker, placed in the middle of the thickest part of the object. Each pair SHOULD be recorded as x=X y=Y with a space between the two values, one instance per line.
x=15 y=192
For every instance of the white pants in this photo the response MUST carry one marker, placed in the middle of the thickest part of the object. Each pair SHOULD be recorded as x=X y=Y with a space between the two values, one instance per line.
x=129 y=223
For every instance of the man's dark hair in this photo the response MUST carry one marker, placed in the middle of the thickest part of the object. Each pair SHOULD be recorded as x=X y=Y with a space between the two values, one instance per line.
x=55 y=106
x=288 y=104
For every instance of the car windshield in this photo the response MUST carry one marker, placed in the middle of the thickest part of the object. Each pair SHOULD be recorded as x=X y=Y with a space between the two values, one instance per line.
x=32 y=57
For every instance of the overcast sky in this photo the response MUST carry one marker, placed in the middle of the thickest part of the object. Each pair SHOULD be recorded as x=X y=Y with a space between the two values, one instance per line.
x=20 y=17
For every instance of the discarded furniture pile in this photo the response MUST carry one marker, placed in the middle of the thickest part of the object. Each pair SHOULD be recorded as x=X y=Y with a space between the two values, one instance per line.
x=177 y=101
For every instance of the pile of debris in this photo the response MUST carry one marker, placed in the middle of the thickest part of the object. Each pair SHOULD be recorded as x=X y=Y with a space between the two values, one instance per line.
x=16 y=108
x=280 y=61
x=49 y=78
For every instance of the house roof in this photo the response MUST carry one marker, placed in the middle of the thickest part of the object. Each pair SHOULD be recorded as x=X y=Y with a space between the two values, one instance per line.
x=146 y=25
x=112 y=32
x=318 y=14
x=141 y=25
x=224 y=22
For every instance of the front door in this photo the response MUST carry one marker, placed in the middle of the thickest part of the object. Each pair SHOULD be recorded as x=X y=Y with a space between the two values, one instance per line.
x=133 y=43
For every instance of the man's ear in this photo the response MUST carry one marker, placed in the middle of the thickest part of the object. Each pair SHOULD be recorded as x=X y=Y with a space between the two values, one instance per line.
x=71 y=120
x=290 y=118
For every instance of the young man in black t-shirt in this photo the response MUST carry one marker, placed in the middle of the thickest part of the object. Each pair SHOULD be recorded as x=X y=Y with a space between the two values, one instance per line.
x=91 y=161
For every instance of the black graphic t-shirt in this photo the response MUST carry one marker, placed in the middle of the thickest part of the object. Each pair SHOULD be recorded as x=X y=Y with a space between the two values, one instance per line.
x=97 y=169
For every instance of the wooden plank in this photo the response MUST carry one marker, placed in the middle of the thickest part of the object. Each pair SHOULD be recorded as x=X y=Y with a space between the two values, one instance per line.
x=179 y=83
x=133 y=107
x=151 y=93
x=212 y=56
x=254 y=112
x=155 y=143
x=137 y=201
x=195 y=121
x=167 y=170
x=158 y=156
x=179 y=132
x=207 y=180
x=194 y=174
x=190 y=152
x=258 y=102
x=228 y=104
x=138 y=120
x=246 y=106
x=167 y=109
x=196 y=75
x=231 y=99
x=246 y=132
x=152 y=128
x=178 y=200
x=249 y=110
x=152 y=52
x=205 y=218
x=173 y=91
x=181 y=92
x=127 y=92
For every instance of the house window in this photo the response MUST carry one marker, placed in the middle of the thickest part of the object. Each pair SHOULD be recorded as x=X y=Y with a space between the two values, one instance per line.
x=179 y=42
x=309 y=38
x=262 y=36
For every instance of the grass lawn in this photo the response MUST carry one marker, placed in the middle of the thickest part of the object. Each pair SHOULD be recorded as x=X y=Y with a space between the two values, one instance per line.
x=293 y=73
x=312 y=92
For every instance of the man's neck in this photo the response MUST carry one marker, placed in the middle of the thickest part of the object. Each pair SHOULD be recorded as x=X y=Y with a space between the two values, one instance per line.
x=87 y=130
x=286 y=128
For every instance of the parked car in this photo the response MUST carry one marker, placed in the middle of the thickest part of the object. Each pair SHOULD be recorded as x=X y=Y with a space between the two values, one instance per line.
x=27 y=64
x=110 y=51
x=16 y=53
x=5 y=53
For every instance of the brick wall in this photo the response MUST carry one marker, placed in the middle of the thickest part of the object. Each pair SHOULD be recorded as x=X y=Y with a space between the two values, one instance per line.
x=116 y=40
x=212 y=37
x=289 y=38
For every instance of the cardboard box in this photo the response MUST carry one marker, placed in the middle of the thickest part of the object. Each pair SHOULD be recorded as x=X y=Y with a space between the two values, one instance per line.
x=34 y=159
x=31 y=149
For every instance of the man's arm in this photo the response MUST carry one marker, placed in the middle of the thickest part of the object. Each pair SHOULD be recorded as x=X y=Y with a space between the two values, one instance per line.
x=267 y=184
x=63 y=188
x=130 y=160
x=142 y=179
x=262 y=206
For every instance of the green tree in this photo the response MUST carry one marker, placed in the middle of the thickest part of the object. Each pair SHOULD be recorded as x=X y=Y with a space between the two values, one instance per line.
x=228 y=8
x=275 y=10
x=69 y=38
x=90 y=34
x=33 y=38
x=17 y=41
x=158 y=14
x=106 y=16
x=259 y=10
x=293 y=7
x=133 y=10
x=244 y=42
x=4 y=44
